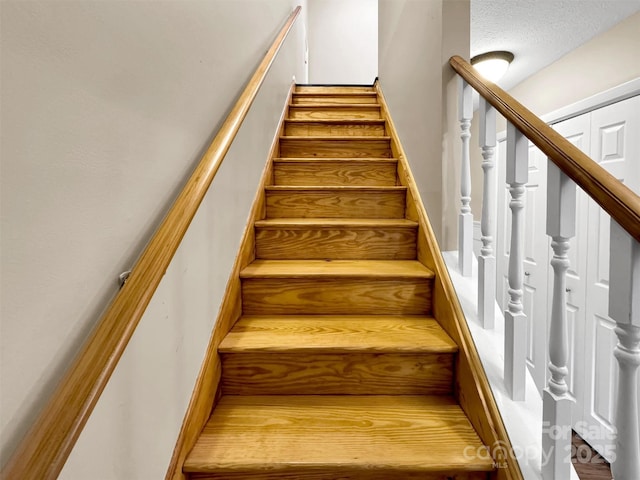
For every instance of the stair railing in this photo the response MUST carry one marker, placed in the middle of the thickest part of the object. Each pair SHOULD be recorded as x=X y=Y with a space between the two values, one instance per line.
x=44 y=450
x=568 y=167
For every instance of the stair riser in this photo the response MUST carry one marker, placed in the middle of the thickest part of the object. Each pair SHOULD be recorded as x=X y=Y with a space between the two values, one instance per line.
x=333 y=129
x=335 y=148
x=284 y=296
x=337 y=374
x=338 y=204
x=340 y=98
x=341 y=113
x=336 y=243
x=318 y=173
x=332 y=89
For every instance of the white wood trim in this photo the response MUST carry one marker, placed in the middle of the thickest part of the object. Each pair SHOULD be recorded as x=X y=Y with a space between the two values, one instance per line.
x=613 y=95
x=594 y=102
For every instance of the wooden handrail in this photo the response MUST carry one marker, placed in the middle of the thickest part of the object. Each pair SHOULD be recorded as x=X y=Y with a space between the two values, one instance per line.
x=620 y=202
x=44 y=450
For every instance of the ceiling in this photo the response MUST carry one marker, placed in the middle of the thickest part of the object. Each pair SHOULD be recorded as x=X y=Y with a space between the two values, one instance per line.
x=538 y=32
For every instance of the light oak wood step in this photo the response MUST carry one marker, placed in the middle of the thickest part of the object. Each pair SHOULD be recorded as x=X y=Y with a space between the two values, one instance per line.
x=331 y=238
x=337 y=334
x=337 y=355
x=335 y=147
x=335 y=171
x=335 y=201
x=340 y=287
x=383 y=269
x=364 y=373
x=330 y=89
x=336 y=127
x=303 y=98
x=316 y=437
x=326 y=111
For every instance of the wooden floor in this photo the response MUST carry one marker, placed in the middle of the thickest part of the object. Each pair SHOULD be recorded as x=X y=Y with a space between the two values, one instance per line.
x=588 y=463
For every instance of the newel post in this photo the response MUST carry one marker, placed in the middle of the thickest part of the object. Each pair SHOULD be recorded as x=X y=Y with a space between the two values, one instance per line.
x=624 y=308
x=465 y=219
x=556 y=401
x=515 y=321
x=487 y=259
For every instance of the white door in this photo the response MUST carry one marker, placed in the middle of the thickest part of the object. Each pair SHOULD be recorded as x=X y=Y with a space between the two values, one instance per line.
x=615 y=145
x=536 y=255
x=536 y=261
x=578 y=131
x=503 y=225
x=611 y=136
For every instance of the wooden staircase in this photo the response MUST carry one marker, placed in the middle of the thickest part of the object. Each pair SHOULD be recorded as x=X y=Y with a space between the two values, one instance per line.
x=337 y=368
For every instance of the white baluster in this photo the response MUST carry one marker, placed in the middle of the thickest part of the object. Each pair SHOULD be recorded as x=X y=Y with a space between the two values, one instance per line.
x=487 y=259
x=557 y=403
x=624 y=308
x=515 y=328
x=465 y=220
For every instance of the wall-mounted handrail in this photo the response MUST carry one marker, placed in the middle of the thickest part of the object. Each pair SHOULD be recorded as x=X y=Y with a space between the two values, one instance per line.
x=620 y=202
x=46 y=447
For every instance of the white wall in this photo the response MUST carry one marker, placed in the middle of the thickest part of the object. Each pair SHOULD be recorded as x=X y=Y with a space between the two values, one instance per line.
x=343 y=41
x=604 y=62
x=416 y=40
x=106 y=109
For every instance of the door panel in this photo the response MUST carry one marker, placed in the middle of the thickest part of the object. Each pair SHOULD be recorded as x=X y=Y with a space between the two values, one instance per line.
x=605 y=370
x=536 y=261
x=534 y=298
x=615 y=134
x=611 y=136
x=577 y=131
x=503 y=226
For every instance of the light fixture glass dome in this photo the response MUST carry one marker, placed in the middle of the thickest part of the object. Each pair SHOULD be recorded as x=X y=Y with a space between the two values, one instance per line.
x=492 y=65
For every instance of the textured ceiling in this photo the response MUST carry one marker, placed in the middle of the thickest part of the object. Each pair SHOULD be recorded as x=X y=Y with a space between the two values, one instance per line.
x=538 y=32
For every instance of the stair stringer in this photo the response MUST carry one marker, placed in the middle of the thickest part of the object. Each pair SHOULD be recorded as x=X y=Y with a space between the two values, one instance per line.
x=472 y=389
x=206 y=391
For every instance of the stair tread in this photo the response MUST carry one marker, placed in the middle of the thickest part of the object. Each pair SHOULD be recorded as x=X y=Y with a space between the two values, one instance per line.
x=342 y=121
x=339 y=138
x=335 y=222
x=335 y=105
x=293 y=433
x=337 y=334
x=336 y=268
x=337 y=94
x=362 y=160
x=329 y=188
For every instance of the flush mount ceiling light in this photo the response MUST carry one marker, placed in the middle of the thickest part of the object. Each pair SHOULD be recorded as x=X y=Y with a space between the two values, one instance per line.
x=492 y=65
